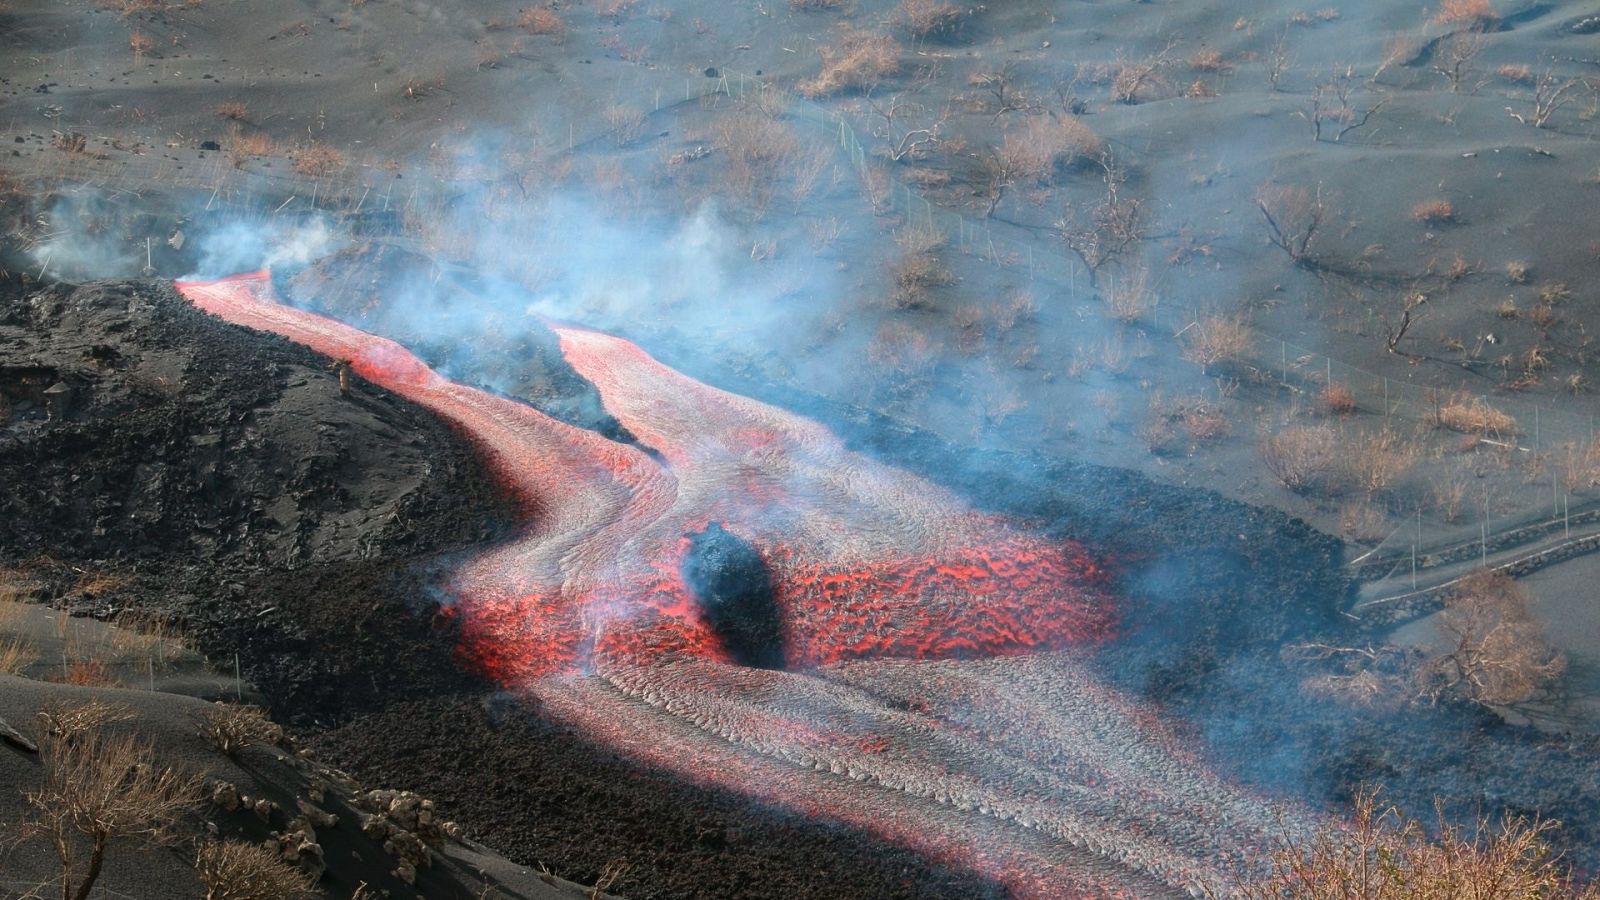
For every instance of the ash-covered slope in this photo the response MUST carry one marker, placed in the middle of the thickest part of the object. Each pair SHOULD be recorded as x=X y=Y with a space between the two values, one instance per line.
x=176 y=436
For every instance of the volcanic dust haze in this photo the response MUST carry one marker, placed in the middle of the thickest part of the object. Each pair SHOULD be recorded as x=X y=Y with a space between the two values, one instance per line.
x=653 y=172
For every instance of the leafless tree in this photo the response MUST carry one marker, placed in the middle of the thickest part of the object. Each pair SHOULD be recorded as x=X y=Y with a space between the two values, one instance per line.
x=1456 y=53
x=1001 y=84
x=1498 y=654
x=1001 y=169
x=1294 y=216
x=906 y=128
x=1109 y=228
x=1339 y=106
x=1137 y=76
x=1550 y=94
x=1395 y=328
x=1277 y=59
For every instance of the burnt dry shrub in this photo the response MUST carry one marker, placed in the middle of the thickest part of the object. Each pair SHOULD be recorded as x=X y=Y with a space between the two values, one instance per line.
x=99 y=789
x=1213 y=340
x=903 y=357
x=1374 y=461
x=1479 y=13
x=235 y=870
x=318 y=160
x=1128 y=299
x=538 y=20
x=1496 y=653
x=243 y=147
x=918 y=271
x=231 y=728
x=1336 y=400
x=1434 y=212
x=1473 y=415
x=855 y=60
x=1046 y=145
x=931 y=18
x=1169 y=420
x=1299 y=456
x=757 y=147
x=1380 y=852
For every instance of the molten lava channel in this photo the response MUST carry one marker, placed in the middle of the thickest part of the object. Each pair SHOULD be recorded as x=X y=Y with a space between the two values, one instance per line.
x=930 y=694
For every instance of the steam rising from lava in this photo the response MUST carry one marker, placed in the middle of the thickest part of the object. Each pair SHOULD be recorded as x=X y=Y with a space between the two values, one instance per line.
x=1015 y=763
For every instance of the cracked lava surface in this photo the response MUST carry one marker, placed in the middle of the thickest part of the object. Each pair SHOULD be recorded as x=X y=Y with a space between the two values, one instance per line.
x=929 y=690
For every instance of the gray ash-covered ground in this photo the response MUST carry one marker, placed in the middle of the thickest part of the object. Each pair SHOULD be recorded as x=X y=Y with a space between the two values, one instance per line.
x=235 y=489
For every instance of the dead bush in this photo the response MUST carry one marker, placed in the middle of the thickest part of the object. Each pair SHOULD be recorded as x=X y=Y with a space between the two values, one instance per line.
x=1434 y=212
x=235 y=870
x=1048 y=144
x=1516 y=73
x=1337 y=400
x=241 y=147
x=1300 y=455
x=91 y=672
x=230 y=727
x=1378 y=853
x=856 y=59
x=918 y=271
x=1204 y=420
x=1139 y=79
x=1130 y=297
x=1363 y=522
x=1110 y=228
x=1208 y=60
x=1373 y=461
x=1497 y=653
x=538 y=20
x=901 y=349
x=1465 y=12
x=1216 y=339
x=624 y=123
x=1469 y=414
x=130 y=7
x=65 y=721
x=318 y=160
x=16 y=655
x=1579 y=464
x=98 y=789
x=232 y=109
x=140 y=43
x=1447 y=494
x=924 y=18
x=757 y=147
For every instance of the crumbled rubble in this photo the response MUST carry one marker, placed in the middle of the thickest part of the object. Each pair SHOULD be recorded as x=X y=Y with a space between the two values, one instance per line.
x=408 y=827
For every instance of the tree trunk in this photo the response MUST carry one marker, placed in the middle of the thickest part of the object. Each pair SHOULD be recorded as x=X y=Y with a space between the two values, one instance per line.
x=97 y=856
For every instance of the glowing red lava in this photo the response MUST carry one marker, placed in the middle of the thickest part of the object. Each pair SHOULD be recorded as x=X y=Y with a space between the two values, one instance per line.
x=1017 y=763
x=867 y=562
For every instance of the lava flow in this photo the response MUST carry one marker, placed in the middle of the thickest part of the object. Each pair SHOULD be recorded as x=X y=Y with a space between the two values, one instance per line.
x=1013 y=762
